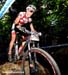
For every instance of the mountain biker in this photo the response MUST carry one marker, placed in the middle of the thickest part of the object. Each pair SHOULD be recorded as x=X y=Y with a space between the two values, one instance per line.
x=22 y=19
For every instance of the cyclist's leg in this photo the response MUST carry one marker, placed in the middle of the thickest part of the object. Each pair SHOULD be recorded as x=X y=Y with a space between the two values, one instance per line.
x=13 y=37
x=22 y=45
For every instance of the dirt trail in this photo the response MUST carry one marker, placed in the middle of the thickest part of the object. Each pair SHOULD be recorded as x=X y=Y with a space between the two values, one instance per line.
x=15 y=69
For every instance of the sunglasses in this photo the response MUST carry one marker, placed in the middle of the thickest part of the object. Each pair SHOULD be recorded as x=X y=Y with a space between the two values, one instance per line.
x=31 y=11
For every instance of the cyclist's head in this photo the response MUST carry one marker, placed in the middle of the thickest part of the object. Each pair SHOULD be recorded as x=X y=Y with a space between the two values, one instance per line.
x=31 y=8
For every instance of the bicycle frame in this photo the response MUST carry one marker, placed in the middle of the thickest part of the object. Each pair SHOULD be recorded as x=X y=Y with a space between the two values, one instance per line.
x=33 y=58
x=28 y=43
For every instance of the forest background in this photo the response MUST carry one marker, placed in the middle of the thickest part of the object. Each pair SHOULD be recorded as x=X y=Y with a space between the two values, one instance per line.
x=51 y=18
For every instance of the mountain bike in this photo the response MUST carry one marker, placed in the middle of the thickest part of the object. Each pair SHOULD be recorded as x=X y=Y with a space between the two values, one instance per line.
x=39 y=60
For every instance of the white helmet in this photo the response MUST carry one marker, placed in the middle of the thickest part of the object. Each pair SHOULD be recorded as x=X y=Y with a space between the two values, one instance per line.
x=32 y=7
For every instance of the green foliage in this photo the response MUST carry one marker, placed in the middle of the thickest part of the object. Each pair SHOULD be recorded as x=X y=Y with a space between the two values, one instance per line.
x=50 y=13
x=5 y=24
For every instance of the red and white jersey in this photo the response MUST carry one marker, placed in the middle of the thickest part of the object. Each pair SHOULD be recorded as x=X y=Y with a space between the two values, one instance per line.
x=23 y=18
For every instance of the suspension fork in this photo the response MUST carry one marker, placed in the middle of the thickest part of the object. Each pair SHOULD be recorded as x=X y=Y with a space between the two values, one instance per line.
x=33 y=70
x=35 y=57
x=31 y=66
x=29 y=53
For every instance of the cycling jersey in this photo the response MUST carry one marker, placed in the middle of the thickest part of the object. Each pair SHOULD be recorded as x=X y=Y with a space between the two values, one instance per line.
x=23 y=21
x=23 y=18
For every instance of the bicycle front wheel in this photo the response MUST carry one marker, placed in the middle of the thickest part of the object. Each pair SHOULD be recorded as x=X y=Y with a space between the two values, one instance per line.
x=45 y=63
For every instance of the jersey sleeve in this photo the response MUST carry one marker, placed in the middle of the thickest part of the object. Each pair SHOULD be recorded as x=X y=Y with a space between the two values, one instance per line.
x=21 y=14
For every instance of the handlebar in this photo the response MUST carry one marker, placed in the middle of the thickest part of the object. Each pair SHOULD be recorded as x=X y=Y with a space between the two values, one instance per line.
x=24 y=30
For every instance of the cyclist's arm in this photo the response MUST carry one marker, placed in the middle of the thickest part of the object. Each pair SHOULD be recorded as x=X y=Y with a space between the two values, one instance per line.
x=20 y=15
x=16 y=21
x=31 y=26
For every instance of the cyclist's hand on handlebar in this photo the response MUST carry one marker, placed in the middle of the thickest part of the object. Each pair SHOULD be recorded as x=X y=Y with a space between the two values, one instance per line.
x=36 y=33
x=23 y=29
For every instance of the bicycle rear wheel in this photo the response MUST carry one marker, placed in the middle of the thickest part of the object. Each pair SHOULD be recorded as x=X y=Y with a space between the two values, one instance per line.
x=45 y=63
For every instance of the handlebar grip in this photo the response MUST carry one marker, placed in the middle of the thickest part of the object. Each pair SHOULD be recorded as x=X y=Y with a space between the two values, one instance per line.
x=23 y=29
x=40 y=34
